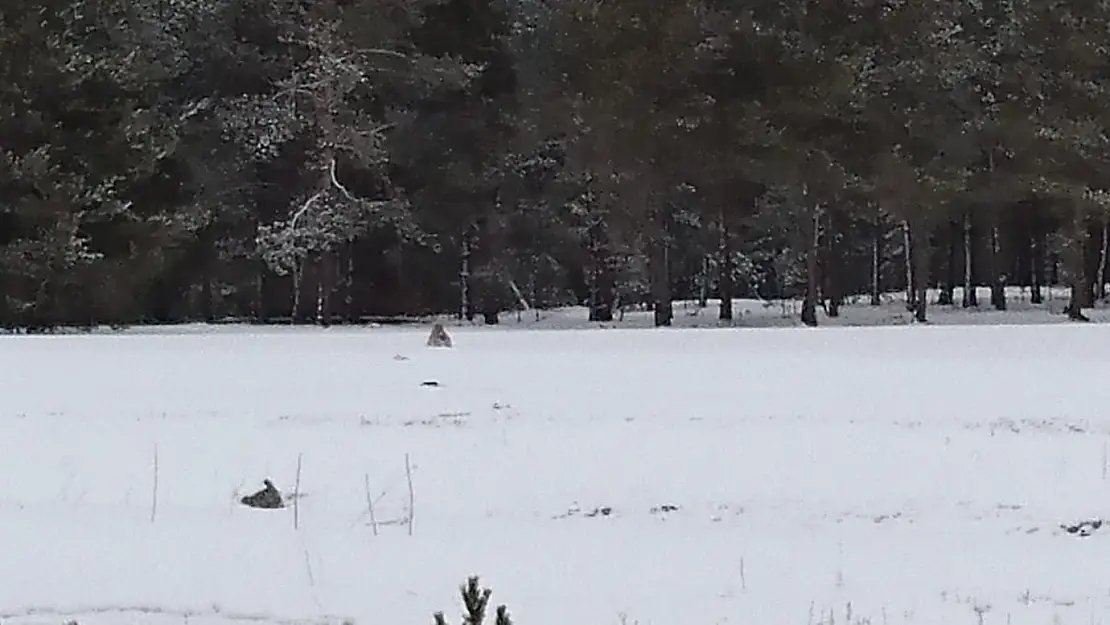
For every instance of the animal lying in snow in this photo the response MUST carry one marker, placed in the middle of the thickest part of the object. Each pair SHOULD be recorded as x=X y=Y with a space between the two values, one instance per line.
x=439 y=337
x=268 y=498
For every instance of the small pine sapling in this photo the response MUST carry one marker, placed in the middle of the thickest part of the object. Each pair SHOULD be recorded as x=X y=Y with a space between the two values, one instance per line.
x=475 y=601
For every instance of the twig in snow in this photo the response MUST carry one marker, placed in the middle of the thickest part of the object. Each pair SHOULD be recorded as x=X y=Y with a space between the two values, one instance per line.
x=297 y=495
x=412 y=494
x=980 y=611
x=1104 y=461
x=308 y=567
x=840 y=564
x=743 y=578
x=370 y=505
x=154 y=488
x=236 y=496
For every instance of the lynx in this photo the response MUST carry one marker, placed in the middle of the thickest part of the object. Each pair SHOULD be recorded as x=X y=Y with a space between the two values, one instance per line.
x=439 y=337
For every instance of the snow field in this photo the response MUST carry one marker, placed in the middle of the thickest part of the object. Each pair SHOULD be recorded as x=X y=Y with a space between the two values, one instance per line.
x=882 y=475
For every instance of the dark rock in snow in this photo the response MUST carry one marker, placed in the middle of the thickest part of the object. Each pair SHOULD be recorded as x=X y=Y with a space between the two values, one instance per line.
x=1082 y=528
x=608 y=511
x=268 y=498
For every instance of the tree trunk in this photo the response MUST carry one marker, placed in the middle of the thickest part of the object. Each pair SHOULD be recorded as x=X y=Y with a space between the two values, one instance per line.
x=1037 y=262
x=602 y=297
x=325 y=107
x=601 y=291
x=921 y=255
x=907 y=255
x=1055 y=260
x=947 y=295
x=206 y=299
x=466 y=311
x=998 y=277
x=490 y=314
x=1092 y=253
x=724 y=270
x=349 y=285
x=1074 y=249
x=809 y=305
x=876 y=260
x=659 y=261
x=1075 y=308
x=703 y=282
x=298 y=278
x=258 y=305
x=1100 y=285
x=659 y=268
x=1036 y=294
x=534 y=284
x=327 y=286
x=971 y=297
x=833 y=265
x=319 y=316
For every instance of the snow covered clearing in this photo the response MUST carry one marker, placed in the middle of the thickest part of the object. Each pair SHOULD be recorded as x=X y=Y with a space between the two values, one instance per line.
x=848 y=475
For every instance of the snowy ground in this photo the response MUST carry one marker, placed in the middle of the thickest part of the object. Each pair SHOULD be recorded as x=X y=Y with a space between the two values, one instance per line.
x=851 y=475
x=857 y=312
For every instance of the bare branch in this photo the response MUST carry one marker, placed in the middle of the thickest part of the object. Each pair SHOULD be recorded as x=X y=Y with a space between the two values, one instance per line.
x=335 y=181
x=304 y=209
x=384 y=52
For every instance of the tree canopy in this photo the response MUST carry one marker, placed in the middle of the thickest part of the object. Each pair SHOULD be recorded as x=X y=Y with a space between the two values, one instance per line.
x=169 y=160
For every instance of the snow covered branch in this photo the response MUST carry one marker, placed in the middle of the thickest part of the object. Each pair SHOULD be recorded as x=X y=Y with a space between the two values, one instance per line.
x=338 y=185
x=304 y=209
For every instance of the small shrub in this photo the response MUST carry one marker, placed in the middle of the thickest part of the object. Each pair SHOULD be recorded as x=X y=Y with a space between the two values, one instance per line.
x=475 y=601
